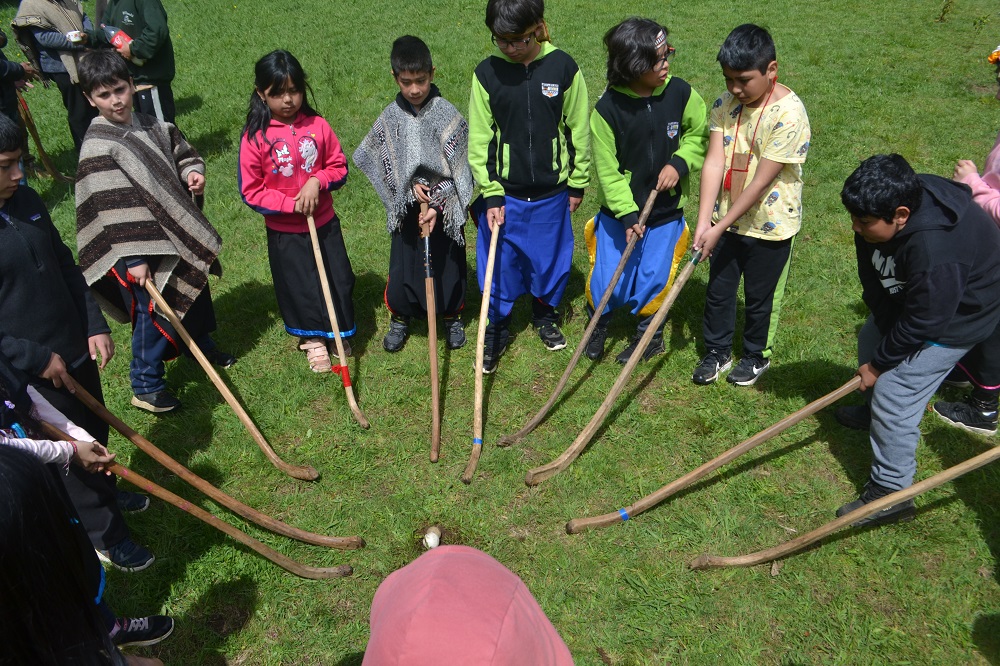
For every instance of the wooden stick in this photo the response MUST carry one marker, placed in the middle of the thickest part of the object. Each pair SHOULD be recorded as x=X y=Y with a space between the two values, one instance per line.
x=484 y=316
x=269 y=553
x=532 y=423
x=305 y=473
x=345 y=375
x=234 y=505
x=578 y=525
x=431 y=339
x=539 y=474
x=798 y=543
x=29 y=122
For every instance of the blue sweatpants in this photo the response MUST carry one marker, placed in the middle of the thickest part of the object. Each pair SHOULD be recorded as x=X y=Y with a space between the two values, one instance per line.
x=534 y=252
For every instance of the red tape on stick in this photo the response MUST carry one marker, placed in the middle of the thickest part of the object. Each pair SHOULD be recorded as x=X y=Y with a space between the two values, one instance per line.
x=344 y=372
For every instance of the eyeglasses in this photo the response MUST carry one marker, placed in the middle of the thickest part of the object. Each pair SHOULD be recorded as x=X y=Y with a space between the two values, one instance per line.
x=666 y=57
x=515 y=44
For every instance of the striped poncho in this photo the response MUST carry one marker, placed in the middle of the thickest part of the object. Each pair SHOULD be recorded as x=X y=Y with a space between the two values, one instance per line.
x=132 y=200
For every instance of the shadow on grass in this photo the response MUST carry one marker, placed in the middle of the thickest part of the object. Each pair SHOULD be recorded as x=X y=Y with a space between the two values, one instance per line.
x=352 y=659
x=986 y=636
x=216 y=143
x=185 y=105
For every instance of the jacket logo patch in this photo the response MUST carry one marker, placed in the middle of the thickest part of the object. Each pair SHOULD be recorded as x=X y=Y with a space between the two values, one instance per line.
x=886 y=267
x=550 y=89
x=673 y=128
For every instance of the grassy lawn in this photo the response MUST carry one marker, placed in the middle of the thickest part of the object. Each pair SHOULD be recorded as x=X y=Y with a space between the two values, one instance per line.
x=875 y=76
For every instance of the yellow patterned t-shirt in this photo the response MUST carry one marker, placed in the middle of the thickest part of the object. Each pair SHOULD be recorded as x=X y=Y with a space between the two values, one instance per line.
x=782 y=136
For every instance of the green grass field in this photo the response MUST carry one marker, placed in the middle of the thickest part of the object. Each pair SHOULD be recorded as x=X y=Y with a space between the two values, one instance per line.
x=876 y=76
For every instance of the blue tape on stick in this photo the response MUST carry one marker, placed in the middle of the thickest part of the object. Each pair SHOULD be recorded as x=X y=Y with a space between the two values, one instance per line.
x=477 y=441
x=623 y=513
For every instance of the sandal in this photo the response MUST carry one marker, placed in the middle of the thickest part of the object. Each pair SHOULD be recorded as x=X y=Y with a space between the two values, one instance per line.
x=316 y=354
x=332 y=346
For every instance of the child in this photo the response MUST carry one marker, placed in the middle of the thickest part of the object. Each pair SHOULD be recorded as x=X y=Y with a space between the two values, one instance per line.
x=651 y=126
x=529 y=149
x=417 y=153
x=136 y=221
x=290 y=160
x=929 y=264
x=751 y=187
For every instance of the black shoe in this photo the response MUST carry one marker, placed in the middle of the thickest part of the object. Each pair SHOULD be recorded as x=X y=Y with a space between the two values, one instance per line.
x=970 y=414
x=220 y=358
x=655 y=347
x=454 y=332
x=494 y=346
x=595 y=346
x=748 y=370
x=396 y=337
x=138 y=631
x=855 y=417
x=714 y=363
x=131 y=502
x=127 y=555
x=898 y=513
x=551 y=336
x=957 y=378
x=491 y=358
x=156 y=402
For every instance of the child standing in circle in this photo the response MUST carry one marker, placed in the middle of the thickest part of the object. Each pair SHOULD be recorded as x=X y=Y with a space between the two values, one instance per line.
x=289 y=162
x=648 y=132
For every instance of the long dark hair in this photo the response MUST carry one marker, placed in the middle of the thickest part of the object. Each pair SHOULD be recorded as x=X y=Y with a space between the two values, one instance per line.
x=270 y=74
x=48 y=614
x=631 y=49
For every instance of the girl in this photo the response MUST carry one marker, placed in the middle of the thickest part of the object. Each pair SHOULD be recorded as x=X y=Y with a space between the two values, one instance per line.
x=290 y=160
x=648 y=132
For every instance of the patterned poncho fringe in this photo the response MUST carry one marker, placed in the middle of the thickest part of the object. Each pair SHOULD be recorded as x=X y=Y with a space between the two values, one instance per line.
x=132 y=200
x=430 y=148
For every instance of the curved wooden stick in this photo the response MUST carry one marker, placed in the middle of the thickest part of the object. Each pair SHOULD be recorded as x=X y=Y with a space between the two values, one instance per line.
x=798 y=543
x=305 y=473
x=267 y=552
x=29 y=122
x=342 y=369
x=578 y=525
x=539 y=474
x=234 y=505
x=484 y=315
x=533 y=422
x=431 y=339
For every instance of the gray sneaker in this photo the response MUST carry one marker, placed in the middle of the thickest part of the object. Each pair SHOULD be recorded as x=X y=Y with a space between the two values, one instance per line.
x=454 y=333
x=397 y=335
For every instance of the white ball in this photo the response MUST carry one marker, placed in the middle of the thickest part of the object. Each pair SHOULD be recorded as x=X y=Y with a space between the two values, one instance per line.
x=431 y=540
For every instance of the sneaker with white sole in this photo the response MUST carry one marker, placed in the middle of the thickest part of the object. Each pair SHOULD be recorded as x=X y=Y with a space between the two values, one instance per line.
x=970 y=414
x=748 y=370
x=454 y=333
x=714 y=363
x=127 y=555
x=140 y=631
x=157 y=402
x=551 y=336
x=129 y=502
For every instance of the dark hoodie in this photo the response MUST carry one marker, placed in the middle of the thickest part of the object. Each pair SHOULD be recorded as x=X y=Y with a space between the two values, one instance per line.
x=937 y=280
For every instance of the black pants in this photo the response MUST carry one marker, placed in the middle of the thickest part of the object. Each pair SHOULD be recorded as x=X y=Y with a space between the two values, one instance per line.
x=93 y=495
x=157 y=101
x=763 y=265
x=79 y=112
x=982 y=365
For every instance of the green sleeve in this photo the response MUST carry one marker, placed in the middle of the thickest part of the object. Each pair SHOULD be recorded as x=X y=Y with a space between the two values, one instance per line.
x=693 y=145
x=154 y=33
x=576 y=111
x=481 y=133
x=614 y=188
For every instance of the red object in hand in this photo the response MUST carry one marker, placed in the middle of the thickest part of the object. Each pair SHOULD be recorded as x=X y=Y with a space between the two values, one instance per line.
x=116 y=36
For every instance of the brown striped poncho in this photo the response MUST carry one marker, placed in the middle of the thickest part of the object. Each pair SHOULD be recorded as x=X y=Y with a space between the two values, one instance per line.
x=132 y=200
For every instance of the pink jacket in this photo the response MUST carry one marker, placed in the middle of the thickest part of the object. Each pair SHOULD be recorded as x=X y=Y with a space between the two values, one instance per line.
x=986 y=188
x=274 y=169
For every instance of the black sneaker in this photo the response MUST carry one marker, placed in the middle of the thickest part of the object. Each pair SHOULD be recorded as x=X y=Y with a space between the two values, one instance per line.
x=655 y=347
x=491 y=358
x=714 y=363
x=551 y=336
x=454 y=332
x=969 y=415
x=127 y=555
x=131 y=502
x=396 y=337
x=748 y=370
x=139 y=631
x=898 y=513
x=156 y=402
x=220 y=358
x=595 y=346
x=494 y=346
x=855 y=417
x=957 y=379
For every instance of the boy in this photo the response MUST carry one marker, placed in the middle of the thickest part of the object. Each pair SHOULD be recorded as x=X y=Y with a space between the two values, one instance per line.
x=417 y=152
x=136 y=221
x=751 y=204
x=529 y=149
x=51 y=329
x=929 y=265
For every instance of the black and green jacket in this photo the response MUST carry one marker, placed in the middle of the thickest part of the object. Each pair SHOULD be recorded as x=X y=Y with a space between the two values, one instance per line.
x=528 y=133
x=145 y=21
x=635 y=137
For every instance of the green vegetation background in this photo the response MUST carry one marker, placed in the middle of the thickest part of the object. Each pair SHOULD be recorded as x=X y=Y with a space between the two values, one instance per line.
x=875 y=76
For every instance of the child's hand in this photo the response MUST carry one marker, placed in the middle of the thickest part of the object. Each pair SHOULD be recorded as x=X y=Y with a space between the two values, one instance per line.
x=30 y=73
x=494 y=216
x=429 y=218
x=140 y=273
x=634 y=230
x=706 y=241
x=126 y=51
x=101 y=344
x=574 y=203
x=420 y=191
x=92 y=456
x=196 y=183
x=965 y=168
x=55 y=371
x=308 y=197
x=869 y=375
x=668 y=179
